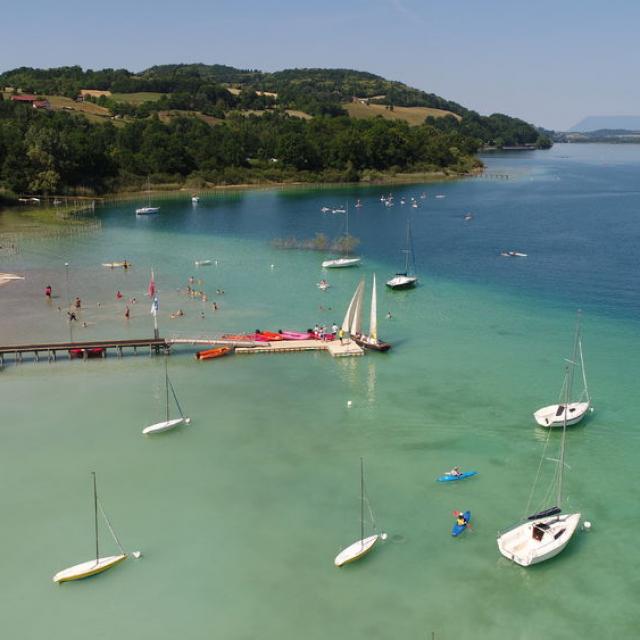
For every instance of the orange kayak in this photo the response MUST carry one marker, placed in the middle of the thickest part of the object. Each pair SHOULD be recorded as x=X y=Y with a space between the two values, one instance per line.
x=212 y=353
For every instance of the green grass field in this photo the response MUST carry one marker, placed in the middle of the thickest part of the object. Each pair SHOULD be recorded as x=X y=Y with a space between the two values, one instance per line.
x=412 y=115
x=137 y=98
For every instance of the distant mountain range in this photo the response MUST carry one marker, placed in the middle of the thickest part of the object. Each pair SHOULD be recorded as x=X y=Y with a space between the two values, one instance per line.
x=598 y=123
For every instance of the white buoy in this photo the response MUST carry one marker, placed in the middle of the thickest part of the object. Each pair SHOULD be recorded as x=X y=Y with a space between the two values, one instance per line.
x=137 y=554
x=349 y=404
x=383 y=536
x=586 y=525
x=273 y=266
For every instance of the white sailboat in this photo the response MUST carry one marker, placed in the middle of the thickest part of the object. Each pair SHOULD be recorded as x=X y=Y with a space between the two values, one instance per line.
x=546 y=533
x=362 y=546
x=346 y=261
x=405 y=279
x=99 y=564
x=371 y=341
x=351 y=317
x=571 y=412
x=145 y=211
x=169 y=423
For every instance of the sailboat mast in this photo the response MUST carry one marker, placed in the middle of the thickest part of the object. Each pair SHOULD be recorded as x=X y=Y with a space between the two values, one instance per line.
x=373 y=318
x=95 y=514
x=564 y=434
x=346 y=237
x=166 y=384
x=406 y=261
x=361 y=499
x=576 y=344
x=584 y=373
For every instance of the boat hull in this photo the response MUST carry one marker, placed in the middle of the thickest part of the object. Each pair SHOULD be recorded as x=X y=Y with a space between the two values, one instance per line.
x=521 y=546
x=451 y=478
x=552 y=417
x=159 y=427
x=402 y=282
x=209 y=354
x=147 y=211
x=374 y=346
x=89 y=568
x=457 y=529
x=356 y=551
x=340 y=263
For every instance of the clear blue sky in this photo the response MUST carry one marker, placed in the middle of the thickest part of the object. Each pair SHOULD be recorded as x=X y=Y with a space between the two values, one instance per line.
x=551 y=63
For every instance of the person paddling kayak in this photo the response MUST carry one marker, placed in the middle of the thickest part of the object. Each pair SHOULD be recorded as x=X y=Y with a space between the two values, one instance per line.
x=454 y=472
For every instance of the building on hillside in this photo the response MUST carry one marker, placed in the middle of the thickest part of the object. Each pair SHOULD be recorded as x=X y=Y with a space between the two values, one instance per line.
x=34 y=101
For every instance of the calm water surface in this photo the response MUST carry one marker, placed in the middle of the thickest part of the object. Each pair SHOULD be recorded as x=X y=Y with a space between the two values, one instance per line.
x=240 y=514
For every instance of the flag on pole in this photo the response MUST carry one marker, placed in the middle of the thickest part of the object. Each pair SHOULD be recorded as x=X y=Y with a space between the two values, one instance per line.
x=151 y=289
x=154 y=307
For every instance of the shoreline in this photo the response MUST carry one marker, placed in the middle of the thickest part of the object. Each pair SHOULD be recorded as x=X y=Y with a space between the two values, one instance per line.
x=172 y=190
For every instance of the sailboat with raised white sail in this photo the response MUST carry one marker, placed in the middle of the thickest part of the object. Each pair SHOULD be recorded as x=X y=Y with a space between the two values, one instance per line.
x=346 y=261
x=362 y=546
x=99 y=564
x=351 y=317
x=407 y=278
x=547 y=532
x=148 y=210
x=168 y=423
x=569 y=411
x=371 y=341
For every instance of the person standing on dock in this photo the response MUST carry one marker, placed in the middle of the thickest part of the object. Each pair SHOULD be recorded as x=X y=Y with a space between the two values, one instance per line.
x=48 y=291
x=341 y=334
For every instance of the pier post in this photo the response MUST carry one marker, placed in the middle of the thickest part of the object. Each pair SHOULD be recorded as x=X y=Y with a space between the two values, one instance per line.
x=18 y=356
x=37 y=355
x=119 y=351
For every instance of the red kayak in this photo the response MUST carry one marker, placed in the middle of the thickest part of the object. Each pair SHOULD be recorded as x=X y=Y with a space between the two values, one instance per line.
x=96 y=352
x=208 y=354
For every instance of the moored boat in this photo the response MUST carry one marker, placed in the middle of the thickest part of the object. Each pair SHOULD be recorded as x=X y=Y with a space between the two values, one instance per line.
x=406 y=279
x=364 y=545
x=547 y=532
x=370 y=341
x=99 y=564
x=572 y=411
x=209 y=354
x=168 y=423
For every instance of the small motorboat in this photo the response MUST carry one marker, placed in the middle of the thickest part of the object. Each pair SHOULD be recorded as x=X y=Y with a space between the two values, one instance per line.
x=323 y=285
x=339 y=210
x=325 y=209
x=147 y=211
x=202 y=263
x=209 y=354
x=513 y=254
x=116 y=265
x=440 y=196
x=339 y=263
x=195 y=199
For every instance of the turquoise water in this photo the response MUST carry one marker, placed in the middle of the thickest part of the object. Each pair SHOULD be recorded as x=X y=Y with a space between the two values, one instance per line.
x=240 y=514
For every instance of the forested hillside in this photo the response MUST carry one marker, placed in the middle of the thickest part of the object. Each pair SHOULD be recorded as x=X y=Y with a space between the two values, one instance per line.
x=203 y=124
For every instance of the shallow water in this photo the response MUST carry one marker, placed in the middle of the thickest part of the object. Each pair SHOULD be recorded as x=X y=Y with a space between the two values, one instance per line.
x=240 y=514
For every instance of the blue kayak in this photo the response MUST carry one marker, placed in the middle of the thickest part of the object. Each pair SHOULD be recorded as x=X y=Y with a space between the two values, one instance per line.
x=462 y=476
x=459 y=528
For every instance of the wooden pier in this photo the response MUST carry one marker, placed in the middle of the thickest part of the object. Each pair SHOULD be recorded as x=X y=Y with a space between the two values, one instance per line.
x=85 y=349
x=334 y=347
x=50 y=351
